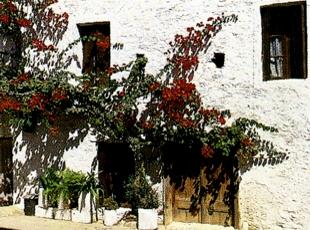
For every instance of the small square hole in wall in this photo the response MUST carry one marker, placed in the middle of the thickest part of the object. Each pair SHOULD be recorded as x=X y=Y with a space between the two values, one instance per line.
x=218 y=59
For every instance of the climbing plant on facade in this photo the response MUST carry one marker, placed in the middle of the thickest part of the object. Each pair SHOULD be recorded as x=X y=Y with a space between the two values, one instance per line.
x=143 y=110
x=34 y=83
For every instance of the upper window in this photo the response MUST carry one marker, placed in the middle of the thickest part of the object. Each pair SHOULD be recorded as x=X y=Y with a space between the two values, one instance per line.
x=284 y=41
x=10 y=52
x=96 y=49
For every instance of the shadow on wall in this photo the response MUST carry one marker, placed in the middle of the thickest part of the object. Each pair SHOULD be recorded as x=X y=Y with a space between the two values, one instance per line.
x=206 y=189
x=35 y=152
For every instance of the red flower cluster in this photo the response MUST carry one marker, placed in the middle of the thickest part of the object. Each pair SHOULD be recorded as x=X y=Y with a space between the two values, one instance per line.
x=11 y=6
x=180 y=90
x=154 y=86
x=54 y=131
x=21 y=78
x=186 y=62
x=184 y=51
x=209 y=113
x=121 y=94
x=147 y=125
x=246 y=142
x=37 y=101
x=212 y=114
x=23 y=22
x=5 y=19
x=206 y=151
x=222 y=120
x=59 y=95
x=39 y=45
x=175 y=100
x=9 y=104
x=103 y=44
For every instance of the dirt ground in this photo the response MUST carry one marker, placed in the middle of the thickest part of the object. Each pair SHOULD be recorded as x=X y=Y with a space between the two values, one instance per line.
x=12 y=218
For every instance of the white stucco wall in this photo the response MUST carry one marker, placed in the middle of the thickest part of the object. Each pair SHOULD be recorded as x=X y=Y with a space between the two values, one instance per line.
x=74 y=147
x=270 y=196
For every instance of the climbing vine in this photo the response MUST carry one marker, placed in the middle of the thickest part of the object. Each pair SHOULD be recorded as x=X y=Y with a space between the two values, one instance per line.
x=143 y=110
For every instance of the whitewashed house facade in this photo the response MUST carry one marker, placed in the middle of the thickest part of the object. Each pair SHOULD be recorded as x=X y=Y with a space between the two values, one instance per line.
x=266 y=82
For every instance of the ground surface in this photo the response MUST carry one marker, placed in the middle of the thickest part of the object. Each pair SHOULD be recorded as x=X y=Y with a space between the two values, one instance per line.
x=12 y=217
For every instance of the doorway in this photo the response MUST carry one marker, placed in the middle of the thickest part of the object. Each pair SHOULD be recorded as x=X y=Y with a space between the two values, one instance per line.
x=6 y=171
x=116 y=163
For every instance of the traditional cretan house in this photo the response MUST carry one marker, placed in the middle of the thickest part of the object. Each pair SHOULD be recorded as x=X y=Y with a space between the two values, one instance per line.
x=263 y=75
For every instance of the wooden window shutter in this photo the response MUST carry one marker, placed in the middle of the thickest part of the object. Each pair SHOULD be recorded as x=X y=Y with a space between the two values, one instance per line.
x=96 y=59
x=265 y=13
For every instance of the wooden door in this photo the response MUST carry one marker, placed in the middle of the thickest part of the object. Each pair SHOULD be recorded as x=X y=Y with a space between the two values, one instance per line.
x=6 y=171
x=181 y=203
x=209 y=209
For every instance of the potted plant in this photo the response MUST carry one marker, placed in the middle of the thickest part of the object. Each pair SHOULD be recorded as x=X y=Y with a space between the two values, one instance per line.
x=90 y=188
x=49 y=182
x=144 y=200
x=110 y=214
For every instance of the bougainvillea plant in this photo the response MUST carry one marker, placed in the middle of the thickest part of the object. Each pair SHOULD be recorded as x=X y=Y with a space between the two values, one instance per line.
x=29 y=57
x=143 y=110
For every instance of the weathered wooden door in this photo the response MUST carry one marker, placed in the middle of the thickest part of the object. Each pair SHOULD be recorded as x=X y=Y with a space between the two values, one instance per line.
x=208 y=210
x=6 y=171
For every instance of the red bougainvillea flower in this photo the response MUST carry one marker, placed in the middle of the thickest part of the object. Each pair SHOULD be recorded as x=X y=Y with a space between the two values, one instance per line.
x=39 y=45
x=5 y=19
x=206 y=151
x=65 y=15
x=154 y=86
x=54 y=131
x=103 y=44
x=59 y=95
x=222 y=120
x=9 y=104
x=246 y=142
x=11 y=6
x=21 y=78
x=121 y=94
x=23 y=22
x=110 y=70
x=37 y=101
x=147 y=125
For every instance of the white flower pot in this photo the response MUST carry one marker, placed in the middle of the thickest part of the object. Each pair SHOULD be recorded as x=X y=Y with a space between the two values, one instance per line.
x=110 y=217
x=147 y=219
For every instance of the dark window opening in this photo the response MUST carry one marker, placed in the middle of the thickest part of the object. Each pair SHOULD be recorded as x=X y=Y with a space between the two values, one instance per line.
x=115 y=165
x=96 y=50
x=284 y=46
x=10 y=53
x=6 y=172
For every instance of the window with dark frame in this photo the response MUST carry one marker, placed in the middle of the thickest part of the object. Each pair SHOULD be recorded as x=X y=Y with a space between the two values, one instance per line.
x=284 y=45
x=10 y=51
x=96 y=50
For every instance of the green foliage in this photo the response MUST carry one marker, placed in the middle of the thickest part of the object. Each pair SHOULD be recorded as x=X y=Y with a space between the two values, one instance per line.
x=110 y=204
x=67 y=185
x=50 y=182
x=139 y=192
x=91 y=185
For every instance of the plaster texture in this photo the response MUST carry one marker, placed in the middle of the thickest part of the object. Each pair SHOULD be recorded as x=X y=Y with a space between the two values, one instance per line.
x=270 y=197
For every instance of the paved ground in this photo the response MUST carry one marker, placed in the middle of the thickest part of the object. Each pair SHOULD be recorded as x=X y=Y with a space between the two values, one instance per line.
x=13 y=218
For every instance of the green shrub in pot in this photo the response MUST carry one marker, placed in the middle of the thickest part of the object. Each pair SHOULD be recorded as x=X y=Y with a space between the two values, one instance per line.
x=139 y=192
